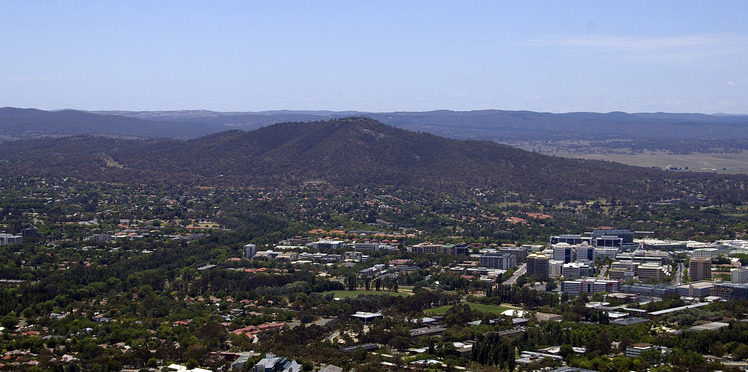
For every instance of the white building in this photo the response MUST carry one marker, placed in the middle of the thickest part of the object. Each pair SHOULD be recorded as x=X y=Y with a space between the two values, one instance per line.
x=705 y=253
x=555 y=268
x=8 y=239
x=502 y=261
x=739 y=275
x=563 y=252
x=606 y=252
x=327 y=244
x=576 y=270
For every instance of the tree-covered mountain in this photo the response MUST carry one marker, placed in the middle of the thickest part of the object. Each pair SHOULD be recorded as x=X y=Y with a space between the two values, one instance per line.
x=341 y=152
x=18 y=123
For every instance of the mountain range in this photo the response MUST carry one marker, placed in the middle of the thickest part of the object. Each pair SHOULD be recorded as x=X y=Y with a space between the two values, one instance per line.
x=492 y=125
x=344 y=152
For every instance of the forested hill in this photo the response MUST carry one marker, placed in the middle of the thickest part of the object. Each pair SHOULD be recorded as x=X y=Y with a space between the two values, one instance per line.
x=18 y=123
x=492 y=125
x=497 y=125
x=341 y=152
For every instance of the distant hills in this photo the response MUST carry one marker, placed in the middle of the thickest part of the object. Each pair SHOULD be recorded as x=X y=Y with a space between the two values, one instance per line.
x=32 y=123
x=339 y=152
x=492 y=125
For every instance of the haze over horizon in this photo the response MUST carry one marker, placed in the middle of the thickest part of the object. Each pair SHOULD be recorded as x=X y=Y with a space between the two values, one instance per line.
x=546 y=56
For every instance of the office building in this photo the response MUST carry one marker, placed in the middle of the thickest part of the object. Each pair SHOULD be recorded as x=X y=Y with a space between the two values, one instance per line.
x=705 y=253
x=501 y=261
x=30 y=232
x=555 y=268
x=563 y=252
x=519 y=252
x=700 y=268
x=327 y=244
x=649 y=271
x=537 y=265
x=570 y=239
x=576 y=287
x=250 y=250
x=696 y=289
x=575 y=270
x=739 y=276
x=730 y=291
x=606 y=252
x=585 y=253
x=366 y=246
x=8 y=239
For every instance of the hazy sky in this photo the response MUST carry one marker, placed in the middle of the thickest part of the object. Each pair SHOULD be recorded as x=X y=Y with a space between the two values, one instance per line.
x=557 y=56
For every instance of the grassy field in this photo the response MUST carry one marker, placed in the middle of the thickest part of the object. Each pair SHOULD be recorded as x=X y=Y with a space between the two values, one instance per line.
x=494 y=309
x=722 y=163
x=353 y=294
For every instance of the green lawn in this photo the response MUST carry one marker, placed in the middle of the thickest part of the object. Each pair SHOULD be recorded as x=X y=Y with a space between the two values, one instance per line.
x=494 y=309
x=352 y=294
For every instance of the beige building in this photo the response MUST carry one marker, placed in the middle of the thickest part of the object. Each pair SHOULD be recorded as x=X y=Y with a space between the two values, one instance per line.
x=648 y=271
x=537 y=264
x=739 y=275
x=700 y=268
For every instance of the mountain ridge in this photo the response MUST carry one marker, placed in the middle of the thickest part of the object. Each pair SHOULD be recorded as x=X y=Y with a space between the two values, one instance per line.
x=347 y=152
x=494 y=125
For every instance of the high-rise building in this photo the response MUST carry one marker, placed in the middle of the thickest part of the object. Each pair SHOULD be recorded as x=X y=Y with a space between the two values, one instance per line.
x=519 y=252
x=555 y=268
x=585 y=252
x=537 y=265
x=700 y=268
x=250 y=250
x=563 y=252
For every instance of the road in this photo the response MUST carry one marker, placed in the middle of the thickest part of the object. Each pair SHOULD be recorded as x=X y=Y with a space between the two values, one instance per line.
x=603 y=270
x=679 y=275
x=520 y=271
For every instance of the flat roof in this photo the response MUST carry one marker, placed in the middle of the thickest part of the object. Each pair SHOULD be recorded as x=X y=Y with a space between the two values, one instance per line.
x=666 y=311
x=366 y=315
x=629 y=321
x=709 y=326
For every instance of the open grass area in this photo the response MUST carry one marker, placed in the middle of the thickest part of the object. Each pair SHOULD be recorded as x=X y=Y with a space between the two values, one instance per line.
x=728 y=163
x=494 y=309
x=353 y=294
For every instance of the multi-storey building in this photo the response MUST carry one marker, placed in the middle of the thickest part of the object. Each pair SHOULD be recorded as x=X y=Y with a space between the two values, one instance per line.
x=537 y=265
x=575 y=270
x=327 y=244
x=576 y=287
x=501 y=261
x=705 y=253
x=8 y=239
x=519 y=252
x=730 y=291
x=739 y=275
x=700 y=268
x=649 y=271
x=563 y=252
x=250 y=250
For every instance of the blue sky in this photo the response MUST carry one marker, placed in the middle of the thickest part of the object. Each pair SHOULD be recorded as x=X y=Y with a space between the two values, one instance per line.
x=554 y=56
